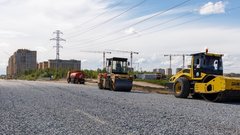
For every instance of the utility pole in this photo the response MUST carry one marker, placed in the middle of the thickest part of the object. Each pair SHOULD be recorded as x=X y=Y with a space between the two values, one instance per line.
x=104 y=55
x=137 y=65
x=171 y=55
x=58 y=39
x=131 y=54
x=170 y=59
x=104 y=58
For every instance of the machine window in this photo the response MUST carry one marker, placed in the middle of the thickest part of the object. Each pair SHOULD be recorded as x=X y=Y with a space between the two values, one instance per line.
x=120 y=66
x=198 y=61
x=213 y=63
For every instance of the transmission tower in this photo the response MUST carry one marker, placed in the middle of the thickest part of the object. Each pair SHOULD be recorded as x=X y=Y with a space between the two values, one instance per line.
x=58 y=40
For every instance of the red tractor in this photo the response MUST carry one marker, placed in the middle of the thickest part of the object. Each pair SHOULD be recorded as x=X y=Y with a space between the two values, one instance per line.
x=76 y=77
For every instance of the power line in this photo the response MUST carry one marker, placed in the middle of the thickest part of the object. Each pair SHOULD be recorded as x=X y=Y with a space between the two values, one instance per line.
x=146 y=29
x=190 y=21
x=141 y=21
x=166 y=28
x=109 y=20
x=99 y=15
x=160 y=13
x=149 y=28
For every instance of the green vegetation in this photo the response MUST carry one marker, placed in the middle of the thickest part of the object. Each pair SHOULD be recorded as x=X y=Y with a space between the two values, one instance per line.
x=54 y=74
x=92 y=74
x=159 y=82
x=46 y=73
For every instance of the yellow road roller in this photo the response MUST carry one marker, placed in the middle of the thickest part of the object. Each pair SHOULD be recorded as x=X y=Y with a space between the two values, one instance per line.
x=204 y=78
x=116 y=77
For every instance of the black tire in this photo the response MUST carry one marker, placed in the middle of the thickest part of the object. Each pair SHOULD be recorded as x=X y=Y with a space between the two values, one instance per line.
x=68 y=80
x=75 y=81
x=181 y=88
x=100 y=84
x=72 y=80
x=112 y=86
x=196 y=96
x=215 y=97
x=128 y=90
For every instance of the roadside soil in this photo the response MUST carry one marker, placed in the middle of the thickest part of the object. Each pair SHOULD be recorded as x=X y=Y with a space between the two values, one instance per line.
x=137 y=86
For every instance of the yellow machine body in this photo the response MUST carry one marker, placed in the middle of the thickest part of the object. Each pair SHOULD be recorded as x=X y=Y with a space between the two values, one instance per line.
x=116 y=78
x=218 y=84
x=205 y=78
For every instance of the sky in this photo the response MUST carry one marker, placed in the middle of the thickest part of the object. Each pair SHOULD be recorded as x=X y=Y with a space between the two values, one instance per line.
x=151 y=27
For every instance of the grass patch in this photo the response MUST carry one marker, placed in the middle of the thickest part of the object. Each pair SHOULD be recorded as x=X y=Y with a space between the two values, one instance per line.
x=159 y=82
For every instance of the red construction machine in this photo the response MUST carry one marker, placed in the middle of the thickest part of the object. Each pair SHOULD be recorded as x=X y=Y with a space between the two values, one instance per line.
x=76 y=77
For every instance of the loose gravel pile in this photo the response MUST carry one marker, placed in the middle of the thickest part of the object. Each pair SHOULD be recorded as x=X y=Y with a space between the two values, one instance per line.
x=58 y=108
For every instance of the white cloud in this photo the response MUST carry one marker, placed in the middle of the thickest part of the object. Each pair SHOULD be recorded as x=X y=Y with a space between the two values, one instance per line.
x=3 y=64
x=3 y=44
x=11 y=34
x=41 y=49
x=84 y=60
x=30 y=23
x=141 y=60
x=3 y=1
x=212 y=8
x=131 y=31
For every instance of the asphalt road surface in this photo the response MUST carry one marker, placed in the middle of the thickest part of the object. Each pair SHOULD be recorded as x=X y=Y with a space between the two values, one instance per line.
x=59 y=108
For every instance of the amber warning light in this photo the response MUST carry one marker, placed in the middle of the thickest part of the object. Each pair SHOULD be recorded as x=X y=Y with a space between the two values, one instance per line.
x=206 y=50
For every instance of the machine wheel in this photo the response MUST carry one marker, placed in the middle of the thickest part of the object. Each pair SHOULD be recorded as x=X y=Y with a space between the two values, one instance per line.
x=72 y=80
x=181 y=88
x=75 y=81
x=100 y=85
x=68 y=80
x=216 y=97
x=225 y=96
x=196 y=96
x=121 y=85
x=112 y=86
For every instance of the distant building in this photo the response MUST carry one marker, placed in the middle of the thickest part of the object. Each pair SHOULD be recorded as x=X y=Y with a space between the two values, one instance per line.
x=10 y=68
x=2 y=76
x=178 y=69
x=43 y=65
x=21 y=61
x=169 y=71
x=60 y=64
x=159 y=70
x=147 y=76
x=150 y=76
x=131 y=69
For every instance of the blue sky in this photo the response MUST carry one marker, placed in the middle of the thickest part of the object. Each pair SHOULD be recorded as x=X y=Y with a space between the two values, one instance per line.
x=29 y=24
x=153 y=6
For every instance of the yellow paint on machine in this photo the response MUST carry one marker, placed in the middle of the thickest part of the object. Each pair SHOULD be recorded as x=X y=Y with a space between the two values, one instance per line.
x=218 y=84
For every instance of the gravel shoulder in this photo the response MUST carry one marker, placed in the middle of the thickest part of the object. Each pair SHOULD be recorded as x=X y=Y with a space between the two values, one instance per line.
x=59 y=108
